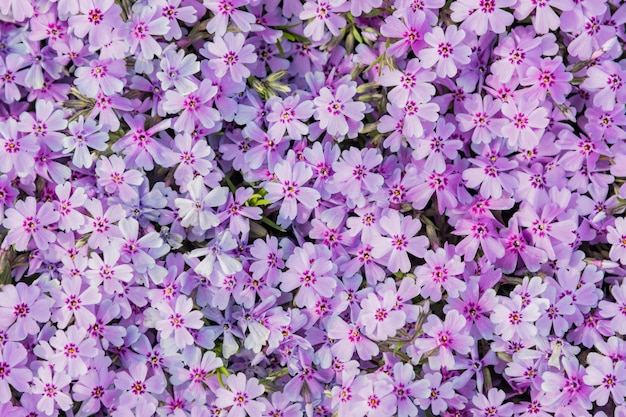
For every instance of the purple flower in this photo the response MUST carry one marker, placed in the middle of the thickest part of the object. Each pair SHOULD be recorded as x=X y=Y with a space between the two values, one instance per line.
x=105 y=76
x=136 y=387
x=481 y=15
x=196 y=210
x=348 y=338
x=616 y=311
x=22 y=307
x=288 y=115
x=228 y=55
x=71 y=301
x=142 y=27
x=98 y=19
x=527 y=123
x=401 y=240
x=325 y=13
x=440 y=271
x=17 y=153
x=412 y=84
x=380 y=317
x=446 y=336
x=195 y=106
x=492 y=404
x=51 y=390
x=355 y=171
x=337 y=113
x=480 y=118
x=240 y=396
x=608 y=82
x=27 y=221
x=311 y=272
x=617 y=238
x=374 y=396
x=551 y=78
x=113 y=176
x=177 y=70
x=608 y=377
x=545 y=18
x=514 y=319
x=12 y=372
x=431 y=392
x=446 y=51
x=72 y=351
x=225 y=10
x=290 y=188
x=84 y=134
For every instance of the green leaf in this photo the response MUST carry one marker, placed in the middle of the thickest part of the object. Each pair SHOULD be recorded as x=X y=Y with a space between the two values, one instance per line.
x=272 y=224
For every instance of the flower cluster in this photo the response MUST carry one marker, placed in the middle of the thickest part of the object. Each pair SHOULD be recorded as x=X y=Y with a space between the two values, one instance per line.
x=312 y=207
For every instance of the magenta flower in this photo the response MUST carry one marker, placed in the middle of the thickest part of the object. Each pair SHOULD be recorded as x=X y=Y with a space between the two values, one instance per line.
x=289 y=115
x=228 y=55
x=480 y=118
x=28 y=221
x=240 y=396
x=608 y=83
x=491 y=405
x=355 y=173
x=401 y=240
x=289 y=187
x=324 y=13
x=98 y=19
x=446 y=51
x=337 y=113
x=414 y=83
x=545 y=18
x=409 y=31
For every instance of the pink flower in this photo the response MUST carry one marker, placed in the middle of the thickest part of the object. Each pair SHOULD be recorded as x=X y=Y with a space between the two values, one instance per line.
x=83 y=135
x=195 y=106
x=608 y=82
x=409 y=31
x=545 y=18
x=440 y=271
x=51 y=390
x=73 y=351
x=228 y=55
x=514 y=319
x=73 y=302
x=348 y=338
x=288 y=115
x=27 y=221
x=337 y=113
x=98 y=18
x=480 y=118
